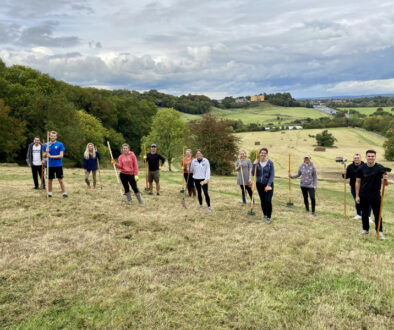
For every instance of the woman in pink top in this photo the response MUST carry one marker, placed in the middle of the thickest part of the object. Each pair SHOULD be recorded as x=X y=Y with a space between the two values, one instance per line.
x=128 y=165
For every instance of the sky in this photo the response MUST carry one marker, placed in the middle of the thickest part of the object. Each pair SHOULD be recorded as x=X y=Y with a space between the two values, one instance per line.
x=218 y=48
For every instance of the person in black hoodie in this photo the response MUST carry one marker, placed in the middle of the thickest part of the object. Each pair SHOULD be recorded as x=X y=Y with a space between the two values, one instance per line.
x=153 y=159
x=34 y=160
x=350 y=173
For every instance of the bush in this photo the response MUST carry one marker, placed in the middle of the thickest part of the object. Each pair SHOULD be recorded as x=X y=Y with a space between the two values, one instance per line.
x=325 y=139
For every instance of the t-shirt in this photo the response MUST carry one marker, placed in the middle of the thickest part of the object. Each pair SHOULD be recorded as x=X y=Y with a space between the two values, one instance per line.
x=262 y=164
x=54 y=150
x=36 y=151
x=153 y=161
x=371 y=178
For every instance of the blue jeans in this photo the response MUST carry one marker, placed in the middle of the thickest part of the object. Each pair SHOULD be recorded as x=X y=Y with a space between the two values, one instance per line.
x=358 y=206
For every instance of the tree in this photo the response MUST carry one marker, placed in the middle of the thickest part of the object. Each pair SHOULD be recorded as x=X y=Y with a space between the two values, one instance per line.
x=216 y=142
x=325 y=139
x=168 y=132
x=389 y=148
x=12 y=134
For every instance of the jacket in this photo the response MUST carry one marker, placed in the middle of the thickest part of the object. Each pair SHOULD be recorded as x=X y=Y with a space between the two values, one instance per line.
x=308 y=175
x=265 y=175
x=201 y=170
x=29 y=154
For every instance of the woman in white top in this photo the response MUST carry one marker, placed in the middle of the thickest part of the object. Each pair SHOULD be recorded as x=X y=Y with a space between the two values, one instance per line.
x=201 y=173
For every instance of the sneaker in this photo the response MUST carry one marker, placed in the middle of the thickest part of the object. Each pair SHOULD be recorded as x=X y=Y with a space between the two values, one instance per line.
x=263 y=217
x=267 y=220
x=150 y=193
x=201 y=207
x=364 y=232
x=357 y=217
x=94 y=188
x=306 y=211
x=65 y=195
x=314 y=214
x=87 y=187
x=209 y=209
x=370 y=220
x=381 y=236
x=50 y=195
x=35 y=188
x=157 y=194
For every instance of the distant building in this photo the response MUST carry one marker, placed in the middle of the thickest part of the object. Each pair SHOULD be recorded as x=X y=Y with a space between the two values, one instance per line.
x=241 y=100
x=257 y=98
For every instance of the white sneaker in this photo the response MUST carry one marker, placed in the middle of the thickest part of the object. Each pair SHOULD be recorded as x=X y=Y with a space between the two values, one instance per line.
x=209 y=209
x=357 y=217
x=381 y=236
x=370 y=220
x=364 y=232
x=200 y=208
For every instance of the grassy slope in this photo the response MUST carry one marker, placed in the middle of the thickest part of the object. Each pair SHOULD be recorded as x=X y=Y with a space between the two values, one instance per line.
x=264 y=113
x=368 y=110
x=90 y=261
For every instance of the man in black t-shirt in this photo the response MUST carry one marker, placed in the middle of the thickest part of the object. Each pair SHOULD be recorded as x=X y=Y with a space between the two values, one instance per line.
x=350 y=173
x=368 y=182
x=153 y=159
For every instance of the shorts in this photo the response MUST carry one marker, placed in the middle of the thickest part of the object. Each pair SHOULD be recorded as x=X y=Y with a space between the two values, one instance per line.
x=154 y=175
x=55 y=172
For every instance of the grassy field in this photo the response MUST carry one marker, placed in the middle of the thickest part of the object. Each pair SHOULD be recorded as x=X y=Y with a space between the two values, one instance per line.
x=369 y=110
x=299 y=142
x=90 y=261
x=265 y=113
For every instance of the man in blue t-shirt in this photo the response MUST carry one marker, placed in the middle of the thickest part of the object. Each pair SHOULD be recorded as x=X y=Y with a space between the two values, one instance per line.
x=54 y=151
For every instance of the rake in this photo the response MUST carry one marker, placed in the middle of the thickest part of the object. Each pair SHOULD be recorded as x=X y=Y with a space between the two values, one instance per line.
x=182 y=191
x=384 y=183
x=290 y=203
x=146 y=170
x=251 y=212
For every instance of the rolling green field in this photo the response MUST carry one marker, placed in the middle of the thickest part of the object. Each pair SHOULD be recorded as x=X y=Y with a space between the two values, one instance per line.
x=265 y=113
x=368 y=110
x=91 y=261
x=299 y=142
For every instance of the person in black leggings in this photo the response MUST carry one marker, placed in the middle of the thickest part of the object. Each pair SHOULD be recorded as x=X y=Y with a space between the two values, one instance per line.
x=201 y=173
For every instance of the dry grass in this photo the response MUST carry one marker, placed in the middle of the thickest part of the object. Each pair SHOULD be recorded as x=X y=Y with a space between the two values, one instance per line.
x=91 y=261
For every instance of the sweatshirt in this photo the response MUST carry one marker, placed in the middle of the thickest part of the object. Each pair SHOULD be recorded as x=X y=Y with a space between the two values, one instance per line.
x=128 y=164
x=201 y=169
x=266 y=174
x=308 y=175
x=91 y=163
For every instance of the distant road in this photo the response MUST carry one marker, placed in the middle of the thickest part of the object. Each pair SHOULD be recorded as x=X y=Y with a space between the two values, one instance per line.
x=325 y=109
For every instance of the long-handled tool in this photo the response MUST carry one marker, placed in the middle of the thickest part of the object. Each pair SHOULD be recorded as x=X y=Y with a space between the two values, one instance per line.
x=251 y=212
x=342 y=160
x=116 y=172
x=47 y=157
x=42 y=169
x=290 y=202
x=98 y=167
x=146 y=170
x=182 y=191
x=384 y=183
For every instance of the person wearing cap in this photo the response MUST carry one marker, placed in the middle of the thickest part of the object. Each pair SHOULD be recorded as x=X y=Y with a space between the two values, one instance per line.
x=153 y=159
x=308 y=182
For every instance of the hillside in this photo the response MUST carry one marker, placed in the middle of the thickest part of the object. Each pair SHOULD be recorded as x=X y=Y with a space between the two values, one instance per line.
x=367 y=110
x=264 y=113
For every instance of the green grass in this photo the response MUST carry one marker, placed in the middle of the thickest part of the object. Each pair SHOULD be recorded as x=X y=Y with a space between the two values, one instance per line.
x=265 y=113
x=91 y=261
x=368 y=110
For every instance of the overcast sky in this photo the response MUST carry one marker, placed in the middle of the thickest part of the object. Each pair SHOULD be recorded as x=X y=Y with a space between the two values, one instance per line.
x=234 y=47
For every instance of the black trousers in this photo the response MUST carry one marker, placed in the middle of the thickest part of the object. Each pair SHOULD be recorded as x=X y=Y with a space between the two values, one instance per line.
x=311 y=192
x=366 y=202
x=265 y=198
x=197 y=182
x=248 y=189
x=36 y=170
x=126 y=180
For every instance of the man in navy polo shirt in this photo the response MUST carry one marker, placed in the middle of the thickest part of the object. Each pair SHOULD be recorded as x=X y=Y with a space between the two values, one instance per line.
x=55 y=152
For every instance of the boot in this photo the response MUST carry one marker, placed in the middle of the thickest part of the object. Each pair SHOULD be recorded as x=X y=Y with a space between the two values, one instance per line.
x=138 y=195
x=128 y=195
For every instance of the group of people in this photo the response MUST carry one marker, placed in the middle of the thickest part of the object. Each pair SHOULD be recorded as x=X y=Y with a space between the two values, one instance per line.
x=365 y=178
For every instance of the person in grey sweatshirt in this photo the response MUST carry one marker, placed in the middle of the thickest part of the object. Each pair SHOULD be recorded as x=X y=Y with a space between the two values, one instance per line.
x=308 y=182
x=201 y=174
x=265 y=182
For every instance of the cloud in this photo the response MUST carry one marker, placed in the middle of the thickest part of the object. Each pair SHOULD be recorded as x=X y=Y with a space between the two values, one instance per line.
x=233 y=47
x=363 y=87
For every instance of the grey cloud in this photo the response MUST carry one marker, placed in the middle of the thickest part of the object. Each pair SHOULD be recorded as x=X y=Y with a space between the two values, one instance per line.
x=41 y=35
x=8 y=32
